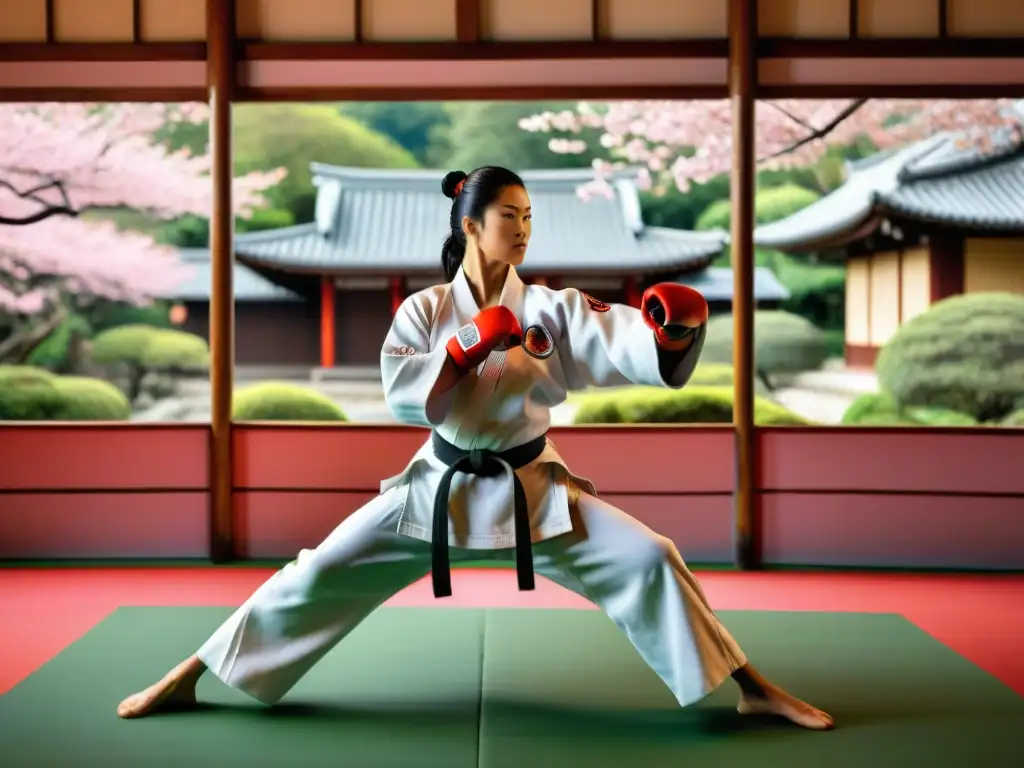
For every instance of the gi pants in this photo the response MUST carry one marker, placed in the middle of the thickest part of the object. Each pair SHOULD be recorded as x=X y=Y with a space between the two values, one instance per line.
x=636 y=576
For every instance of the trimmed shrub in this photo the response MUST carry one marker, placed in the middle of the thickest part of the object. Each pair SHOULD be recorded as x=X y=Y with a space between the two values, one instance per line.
x=280 y=401
x=32 y=394
x=1015 y=419
x=879 y=409
x=964 y=354
x=783 y=343
x=690 y=405
x=88 y=399
x=28 y=393
x=131 y=352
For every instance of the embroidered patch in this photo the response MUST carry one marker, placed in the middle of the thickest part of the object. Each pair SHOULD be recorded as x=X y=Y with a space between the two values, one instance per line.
x=404 y=350
x=538 y=342
x=469 y=336
x=597 y=306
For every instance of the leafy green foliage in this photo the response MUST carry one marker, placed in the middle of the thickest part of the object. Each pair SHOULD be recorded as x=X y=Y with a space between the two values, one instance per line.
x=488 y=133
x=290 y=135
x=770 y=205
x=418 y=126
x=52 y=352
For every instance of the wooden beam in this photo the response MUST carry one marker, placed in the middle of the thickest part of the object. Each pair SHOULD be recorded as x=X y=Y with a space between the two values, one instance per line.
x=221 y=69
x=136 y=21
x=51 y=34
x=742 y=84
x=467 y=21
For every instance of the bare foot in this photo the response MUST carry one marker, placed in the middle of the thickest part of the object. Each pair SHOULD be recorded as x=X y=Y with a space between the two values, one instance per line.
x=775 y=701
x=177 y=690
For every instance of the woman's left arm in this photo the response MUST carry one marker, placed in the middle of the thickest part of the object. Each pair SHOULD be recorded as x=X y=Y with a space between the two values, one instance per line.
x=606 y=345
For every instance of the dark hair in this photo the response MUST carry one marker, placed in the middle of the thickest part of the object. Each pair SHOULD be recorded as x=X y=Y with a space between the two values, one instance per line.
x=479 y=189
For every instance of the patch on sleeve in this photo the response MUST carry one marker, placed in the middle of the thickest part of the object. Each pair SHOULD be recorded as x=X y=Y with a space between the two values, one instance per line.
x=597 y=306
x=403 y=350
x=538 y=342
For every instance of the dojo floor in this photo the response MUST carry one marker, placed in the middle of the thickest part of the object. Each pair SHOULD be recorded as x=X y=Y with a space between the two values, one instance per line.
x=918 y=669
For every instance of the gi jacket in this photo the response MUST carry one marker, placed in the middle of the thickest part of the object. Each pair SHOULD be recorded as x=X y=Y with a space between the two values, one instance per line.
x=506 y=401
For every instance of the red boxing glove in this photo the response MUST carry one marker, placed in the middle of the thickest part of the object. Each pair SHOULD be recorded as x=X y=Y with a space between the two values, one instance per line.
x=674 y=312
x=492 y=328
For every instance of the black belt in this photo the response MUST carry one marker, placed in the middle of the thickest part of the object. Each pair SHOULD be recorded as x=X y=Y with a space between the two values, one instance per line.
x=483 y=463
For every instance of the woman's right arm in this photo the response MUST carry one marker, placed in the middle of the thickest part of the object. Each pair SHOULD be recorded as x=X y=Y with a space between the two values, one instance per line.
x=419 y=382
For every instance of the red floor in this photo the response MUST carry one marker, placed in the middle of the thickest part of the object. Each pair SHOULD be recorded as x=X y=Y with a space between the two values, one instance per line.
x=980 y=617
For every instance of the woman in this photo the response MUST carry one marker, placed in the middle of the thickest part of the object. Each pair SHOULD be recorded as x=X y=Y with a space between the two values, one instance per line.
x=458 y=360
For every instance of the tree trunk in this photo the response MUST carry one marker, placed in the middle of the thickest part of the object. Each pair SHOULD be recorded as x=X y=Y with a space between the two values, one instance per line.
x=16 y=348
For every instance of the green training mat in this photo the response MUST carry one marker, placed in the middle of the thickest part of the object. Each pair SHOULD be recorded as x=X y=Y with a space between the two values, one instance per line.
x=558 y=688
x=401 y=690
x=565 y=687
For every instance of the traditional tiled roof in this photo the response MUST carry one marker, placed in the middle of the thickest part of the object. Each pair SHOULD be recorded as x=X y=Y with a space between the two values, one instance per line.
x=715 y=284
x=248 y=286
x=933 y=181
x=395 y=221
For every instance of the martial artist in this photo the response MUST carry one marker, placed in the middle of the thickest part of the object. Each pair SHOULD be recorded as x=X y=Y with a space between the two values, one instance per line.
x=481 y=360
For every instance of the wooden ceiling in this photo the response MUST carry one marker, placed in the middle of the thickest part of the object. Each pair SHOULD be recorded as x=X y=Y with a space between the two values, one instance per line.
x=504 y=49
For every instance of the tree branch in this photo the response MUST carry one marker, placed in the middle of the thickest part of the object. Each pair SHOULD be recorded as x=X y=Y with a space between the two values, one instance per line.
x=17 y=346
x=816 y=133
x=48 y=210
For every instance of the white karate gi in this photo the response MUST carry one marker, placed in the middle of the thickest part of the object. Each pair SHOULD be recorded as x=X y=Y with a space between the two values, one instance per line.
x=580 y=542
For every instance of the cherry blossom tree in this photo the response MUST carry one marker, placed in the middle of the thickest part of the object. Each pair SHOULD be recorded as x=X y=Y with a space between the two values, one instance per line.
x=58 y=161
x=685 y=142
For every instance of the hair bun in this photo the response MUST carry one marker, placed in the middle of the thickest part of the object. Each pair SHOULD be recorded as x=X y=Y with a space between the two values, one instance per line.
x=450 y=181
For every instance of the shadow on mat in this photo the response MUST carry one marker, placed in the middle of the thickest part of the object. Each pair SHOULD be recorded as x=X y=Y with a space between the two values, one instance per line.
x=368 y=713
x=648 y=724
x=656 y=724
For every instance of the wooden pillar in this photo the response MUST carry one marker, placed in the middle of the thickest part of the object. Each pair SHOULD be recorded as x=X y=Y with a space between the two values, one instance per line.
x=220 y=78
x=946 y=265
x=742 y=84
x=327 y=313
x=397 y=287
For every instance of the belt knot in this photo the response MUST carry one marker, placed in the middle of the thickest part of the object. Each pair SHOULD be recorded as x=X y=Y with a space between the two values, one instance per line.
x=478 y=458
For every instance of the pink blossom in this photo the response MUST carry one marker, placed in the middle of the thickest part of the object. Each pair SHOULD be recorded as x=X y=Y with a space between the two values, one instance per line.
x=654 y=134
x=64 y=159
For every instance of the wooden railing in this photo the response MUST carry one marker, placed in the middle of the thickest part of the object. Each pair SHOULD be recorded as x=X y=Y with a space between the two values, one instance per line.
x=825 y=496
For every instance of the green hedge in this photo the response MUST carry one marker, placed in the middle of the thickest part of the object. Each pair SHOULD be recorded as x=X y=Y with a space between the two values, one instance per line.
x=280 y=401
x=690 y=405
x=28 y=393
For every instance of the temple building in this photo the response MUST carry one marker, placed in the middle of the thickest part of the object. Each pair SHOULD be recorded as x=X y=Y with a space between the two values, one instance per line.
x=914 y=226
x=323 y=293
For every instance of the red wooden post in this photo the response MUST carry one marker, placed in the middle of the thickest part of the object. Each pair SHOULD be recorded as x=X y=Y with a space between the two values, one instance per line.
x=633 y=295
x=397 y=285
x=327 y=294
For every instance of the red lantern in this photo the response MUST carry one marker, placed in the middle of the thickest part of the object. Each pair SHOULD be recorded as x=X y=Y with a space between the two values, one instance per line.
x=178 y=314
